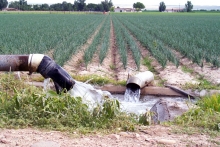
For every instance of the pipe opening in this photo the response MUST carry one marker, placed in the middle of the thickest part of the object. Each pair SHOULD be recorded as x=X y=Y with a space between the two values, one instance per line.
x=49 y=69
x=133 y=87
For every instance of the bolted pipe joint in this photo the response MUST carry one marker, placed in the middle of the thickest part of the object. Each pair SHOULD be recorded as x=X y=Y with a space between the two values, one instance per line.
x=41 y=64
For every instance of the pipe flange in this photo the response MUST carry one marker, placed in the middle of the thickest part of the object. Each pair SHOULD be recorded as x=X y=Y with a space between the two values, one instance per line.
x=34 y=61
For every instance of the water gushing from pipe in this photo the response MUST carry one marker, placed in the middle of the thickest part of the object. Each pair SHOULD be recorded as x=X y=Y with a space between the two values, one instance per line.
x=134 y=85
x=132 y=93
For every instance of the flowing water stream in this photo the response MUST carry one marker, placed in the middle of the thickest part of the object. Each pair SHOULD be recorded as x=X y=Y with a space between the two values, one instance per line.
x=131 y=102
x=132 y=93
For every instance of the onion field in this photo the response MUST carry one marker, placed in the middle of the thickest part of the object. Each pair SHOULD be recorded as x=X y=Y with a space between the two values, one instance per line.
x=194 y=36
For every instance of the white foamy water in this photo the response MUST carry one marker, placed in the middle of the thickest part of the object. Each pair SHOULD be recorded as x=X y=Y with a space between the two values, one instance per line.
x=132 y=95
x=88 y=93
x=137 y=104
x=46 y=84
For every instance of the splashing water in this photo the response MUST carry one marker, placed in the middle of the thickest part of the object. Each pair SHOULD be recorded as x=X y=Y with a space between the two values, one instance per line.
x=46 y=84
x=129 y=102
x=132 y=93
x=88 y=93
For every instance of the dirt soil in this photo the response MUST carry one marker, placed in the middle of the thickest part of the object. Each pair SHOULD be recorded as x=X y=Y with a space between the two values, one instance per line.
x=146 y=136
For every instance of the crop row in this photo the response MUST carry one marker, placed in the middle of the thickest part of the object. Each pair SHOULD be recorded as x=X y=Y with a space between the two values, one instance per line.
x=125 y=41
x=155 y=46
x=101 y=40
x=25 y=34
x=194 y=36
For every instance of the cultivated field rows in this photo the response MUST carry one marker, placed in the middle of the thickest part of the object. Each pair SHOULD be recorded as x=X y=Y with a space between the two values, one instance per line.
x=179 y=49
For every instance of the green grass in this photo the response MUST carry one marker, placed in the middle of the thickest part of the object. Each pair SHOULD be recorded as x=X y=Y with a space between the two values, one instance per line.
x=24 y=106
x=147 y=62
x=186 y=69
x=212 y=102
x=202 y=84
x=205 y=116
x=98 y=80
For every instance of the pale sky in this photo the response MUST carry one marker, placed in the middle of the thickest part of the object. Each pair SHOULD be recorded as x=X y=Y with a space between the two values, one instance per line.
x=129 y=3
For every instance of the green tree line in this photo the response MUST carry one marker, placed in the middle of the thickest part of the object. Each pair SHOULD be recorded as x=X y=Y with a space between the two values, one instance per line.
x=78 y=5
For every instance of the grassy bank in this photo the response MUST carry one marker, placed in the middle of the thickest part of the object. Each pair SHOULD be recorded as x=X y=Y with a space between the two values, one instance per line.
x=24 y=106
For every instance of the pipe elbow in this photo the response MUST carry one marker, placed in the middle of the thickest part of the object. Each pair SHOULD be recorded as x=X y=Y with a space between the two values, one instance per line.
x=49 y=69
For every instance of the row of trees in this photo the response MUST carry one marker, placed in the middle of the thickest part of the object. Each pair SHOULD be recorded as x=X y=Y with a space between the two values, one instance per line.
x=162 y=6
x=188 y=6
x=79 y=5
x=3 y=4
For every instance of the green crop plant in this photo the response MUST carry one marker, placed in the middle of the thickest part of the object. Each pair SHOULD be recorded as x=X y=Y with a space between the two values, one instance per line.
x=193 y=39
x=63 y=34
x=155 y=46
x=131 y=44
x=195 y=36
x=121 y=43
x=105 y=41
x=100 y=40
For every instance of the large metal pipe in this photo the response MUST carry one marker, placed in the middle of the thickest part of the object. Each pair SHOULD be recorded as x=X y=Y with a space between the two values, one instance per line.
x=140 y=80
x=38 y=63
x=14 y=63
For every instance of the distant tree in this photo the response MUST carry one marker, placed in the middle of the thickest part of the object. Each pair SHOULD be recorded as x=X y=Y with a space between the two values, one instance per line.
x=110 y=4
x=107 y=5
x=44 y=7
x=75 y=5
x=14 y=4
x=36 y=7
x=67 y=6
x=162 y=7
x=189 y=6
x=56 y=7
x=112 y=9
x=81 y=4
x=23 y=5
x=138 y=6
x=3 y=4
x=23 y=2
x=91 y=7
x=99 y=7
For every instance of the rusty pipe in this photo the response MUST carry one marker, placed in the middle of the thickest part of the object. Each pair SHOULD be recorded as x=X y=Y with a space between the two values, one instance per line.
x=38 y=63
x=14 y=62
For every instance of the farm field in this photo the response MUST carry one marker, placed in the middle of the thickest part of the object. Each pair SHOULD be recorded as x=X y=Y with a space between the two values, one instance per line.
x=179 y=48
